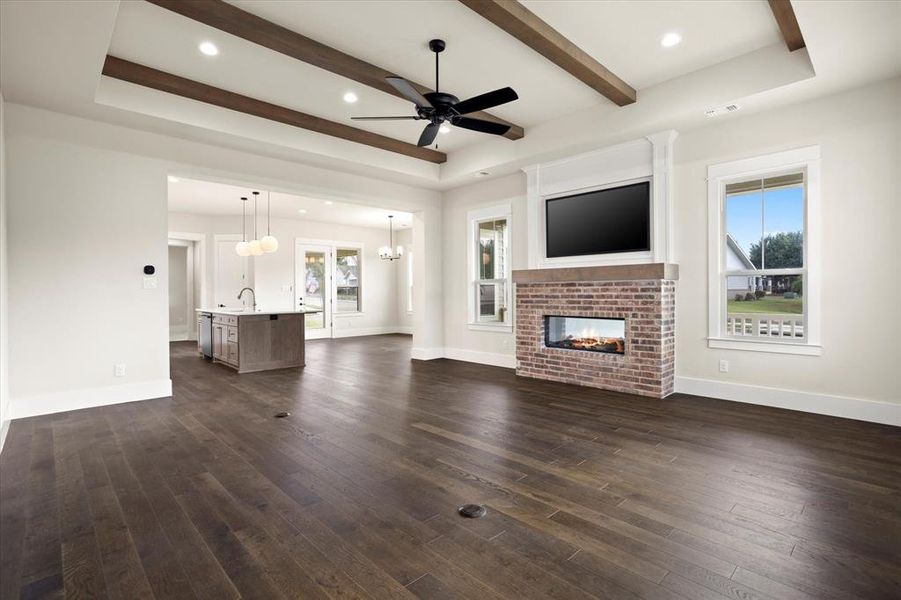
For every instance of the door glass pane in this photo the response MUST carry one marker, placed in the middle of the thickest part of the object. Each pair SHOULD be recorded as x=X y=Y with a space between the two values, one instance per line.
x=347 y=280
x=314 y=288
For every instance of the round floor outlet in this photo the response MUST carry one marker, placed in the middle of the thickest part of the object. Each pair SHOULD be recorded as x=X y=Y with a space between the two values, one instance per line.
x=472 y=511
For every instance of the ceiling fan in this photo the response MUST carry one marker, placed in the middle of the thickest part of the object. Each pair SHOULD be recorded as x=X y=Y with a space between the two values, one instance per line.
x=438 y=107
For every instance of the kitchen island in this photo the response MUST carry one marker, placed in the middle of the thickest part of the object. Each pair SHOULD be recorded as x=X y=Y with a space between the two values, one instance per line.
x=252 y=340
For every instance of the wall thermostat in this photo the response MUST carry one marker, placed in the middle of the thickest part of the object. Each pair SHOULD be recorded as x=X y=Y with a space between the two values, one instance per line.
x=149 y=269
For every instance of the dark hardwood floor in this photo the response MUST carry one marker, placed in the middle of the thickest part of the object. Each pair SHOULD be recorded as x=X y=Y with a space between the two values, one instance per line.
x=354 y=495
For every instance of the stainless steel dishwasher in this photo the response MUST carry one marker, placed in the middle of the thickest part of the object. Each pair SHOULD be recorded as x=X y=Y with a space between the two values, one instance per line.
x=206 y=334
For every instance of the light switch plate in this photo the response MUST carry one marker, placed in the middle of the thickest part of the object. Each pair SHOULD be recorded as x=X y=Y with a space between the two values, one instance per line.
x=724 y=366
x=119 y=370
x=150 y=283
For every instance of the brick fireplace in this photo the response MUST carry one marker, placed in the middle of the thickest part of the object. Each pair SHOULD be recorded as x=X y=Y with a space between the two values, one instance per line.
x=591 y=348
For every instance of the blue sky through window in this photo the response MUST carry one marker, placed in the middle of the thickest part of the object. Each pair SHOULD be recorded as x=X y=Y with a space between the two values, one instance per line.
x=784 y=212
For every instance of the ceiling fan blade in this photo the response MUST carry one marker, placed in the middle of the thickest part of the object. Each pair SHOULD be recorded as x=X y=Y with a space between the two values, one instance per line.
x=486 y=101
x=386 y=118
x=408 y=91
x=428 y=134
x=481 y=125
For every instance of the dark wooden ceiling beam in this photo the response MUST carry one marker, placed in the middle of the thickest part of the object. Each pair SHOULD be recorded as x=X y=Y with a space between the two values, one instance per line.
x=124 y=70
x=788 y=24
x=528 y=28
x=245 y=25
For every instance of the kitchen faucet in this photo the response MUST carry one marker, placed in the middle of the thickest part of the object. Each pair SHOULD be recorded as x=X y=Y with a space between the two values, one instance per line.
x=253 y=296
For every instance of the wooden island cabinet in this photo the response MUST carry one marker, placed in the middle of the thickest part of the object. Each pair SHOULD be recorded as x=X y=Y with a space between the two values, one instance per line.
x=257 y=341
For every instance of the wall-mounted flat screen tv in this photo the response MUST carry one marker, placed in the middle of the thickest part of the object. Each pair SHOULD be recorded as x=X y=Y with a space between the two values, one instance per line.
x=601 y=222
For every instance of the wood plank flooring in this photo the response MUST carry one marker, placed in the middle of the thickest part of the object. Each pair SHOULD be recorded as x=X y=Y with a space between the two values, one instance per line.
x=590 y=494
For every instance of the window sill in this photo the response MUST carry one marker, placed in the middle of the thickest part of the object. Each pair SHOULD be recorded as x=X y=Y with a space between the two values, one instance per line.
x=349 y=314
x=765 y=346
x=492 y=327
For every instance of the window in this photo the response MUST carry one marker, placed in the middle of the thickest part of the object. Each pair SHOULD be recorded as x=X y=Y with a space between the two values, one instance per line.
x=347 y=280
x=763 y=293
x=489 y=256
x=409 y=281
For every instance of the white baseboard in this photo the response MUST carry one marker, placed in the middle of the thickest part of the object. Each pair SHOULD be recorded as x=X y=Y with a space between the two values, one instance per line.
x=483 y=358
x=45 y=404
x=493 y=359
x=405 y=330
x=361 y=331
x=4 y=429
x=875 y=411
x=426 y=353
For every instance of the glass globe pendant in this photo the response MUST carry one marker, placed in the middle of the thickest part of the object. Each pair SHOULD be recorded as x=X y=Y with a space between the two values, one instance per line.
x=269 y=243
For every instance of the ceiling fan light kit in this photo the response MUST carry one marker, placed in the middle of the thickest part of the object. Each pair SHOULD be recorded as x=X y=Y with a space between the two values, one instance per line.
x=440 y=107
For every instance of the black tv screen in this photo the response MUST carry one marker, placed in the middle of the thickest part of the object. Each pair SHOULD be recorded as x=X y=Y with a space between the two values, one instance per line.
x=601 y=222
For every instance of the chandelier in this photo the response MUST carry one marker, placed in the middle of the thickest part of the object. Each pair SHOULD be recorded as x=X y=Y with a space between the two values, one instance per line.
x=391 y=252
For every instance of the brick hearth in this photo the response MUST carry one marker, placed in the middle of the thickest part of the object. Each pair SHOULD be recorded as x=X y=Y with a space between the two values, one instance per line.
x=643 y=295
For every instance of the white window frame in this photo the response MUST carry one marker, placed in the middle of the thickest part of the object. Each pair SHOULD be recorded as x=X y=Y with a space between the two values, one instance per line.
x=473 y=218
x=806 y=160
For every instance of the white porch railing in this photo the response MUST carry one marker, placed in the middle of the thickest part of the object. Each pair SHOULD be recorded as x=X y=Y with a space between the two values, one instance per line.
x=765 y=325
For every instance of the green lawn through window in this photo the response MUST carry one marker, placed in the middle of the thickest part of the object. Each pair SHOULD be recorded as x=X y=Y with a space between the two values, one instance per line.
x=768 y=304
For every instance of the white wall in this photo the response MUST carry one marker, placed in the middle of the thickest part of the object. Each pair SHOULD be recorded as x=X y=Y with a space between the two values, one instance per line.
x=87 y=209
x=83 y=222
x=859 y=133
x=404 y=237
x=178 y=292
x=272 y=273
x=458 y=338
x=4 y=287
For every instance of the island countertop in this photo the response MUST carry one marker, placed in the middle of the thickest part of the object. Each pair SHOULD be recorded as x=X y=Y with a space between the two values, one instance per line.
x=248 y=313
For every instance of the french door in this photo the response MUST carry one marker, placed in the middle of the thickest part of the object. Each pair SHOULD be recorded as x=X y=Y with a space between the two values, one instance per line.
x=313 y=269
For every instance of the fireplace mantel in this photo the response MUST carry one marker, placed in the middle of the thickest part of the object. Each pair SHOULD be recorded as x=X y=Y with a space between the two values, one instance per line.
x=639 y=272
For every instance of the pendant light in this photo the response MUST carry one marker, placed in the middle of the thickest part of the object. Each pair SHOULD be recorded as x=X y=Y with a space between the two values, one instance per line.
x=254 y=245
x=269 y=243
x=390 y=252
x=242 y=247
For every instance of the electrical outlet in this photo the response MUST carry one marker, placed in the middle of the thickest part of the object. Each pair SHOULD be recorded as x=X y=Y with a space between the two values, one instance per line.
x=119 y=370
x=724 y=366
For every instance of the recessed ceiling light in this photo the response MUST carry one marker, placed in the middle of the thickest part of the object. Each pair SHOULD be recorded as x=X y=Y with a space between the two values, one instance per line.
x=208 y=48
x=328 y=202
x=670 y=39
x=444 y=129
x=350 y=97
x=172 y=179
x=302 y=211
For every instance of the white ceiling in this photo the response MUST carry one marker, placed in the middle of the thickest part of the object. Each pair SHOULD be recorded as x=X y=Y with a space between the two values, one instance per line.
x=213 y=198
x=624 y=36
x=51 y=54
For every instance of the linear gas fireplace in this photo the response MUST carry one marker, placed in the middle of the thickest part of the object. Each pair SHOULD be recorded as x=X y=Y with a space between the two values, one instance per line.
x=592 y=334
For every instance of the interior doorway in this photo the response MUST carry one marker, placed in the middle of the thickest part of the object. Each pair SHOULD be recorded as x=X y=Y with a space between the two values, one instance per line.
x=187 y=283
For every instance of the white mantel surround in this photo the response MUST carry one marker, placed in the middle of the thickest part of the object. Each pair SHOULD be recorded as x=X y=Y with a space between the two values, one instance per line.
x=647 y=159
